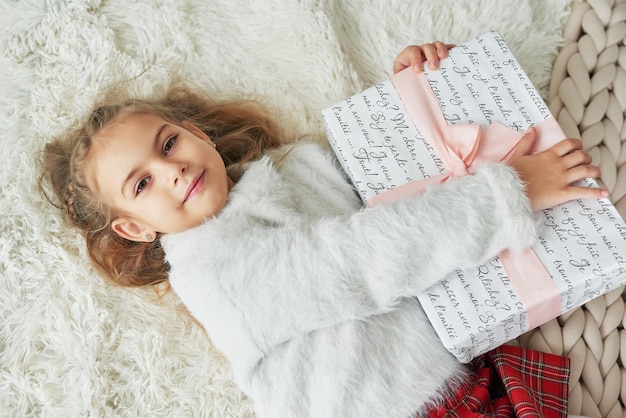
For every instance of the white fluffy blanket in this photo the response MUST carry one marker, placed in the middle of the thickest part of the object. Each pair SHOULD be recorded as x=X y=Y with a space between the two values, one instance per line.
x=74 y=346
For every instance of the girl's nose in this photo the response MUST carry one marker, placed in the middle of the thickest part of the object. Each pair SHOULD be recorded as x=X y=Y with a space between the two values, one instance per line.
x=175 y=170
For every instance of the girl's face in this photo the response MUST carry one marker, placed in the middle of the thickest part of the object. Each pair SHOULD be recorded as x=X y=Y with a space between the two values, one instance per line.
x=157 y=176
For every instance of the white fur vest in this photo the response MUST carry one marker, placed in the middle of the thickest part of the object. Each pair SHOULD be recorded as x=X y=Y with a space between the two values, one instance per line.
x=312 y=298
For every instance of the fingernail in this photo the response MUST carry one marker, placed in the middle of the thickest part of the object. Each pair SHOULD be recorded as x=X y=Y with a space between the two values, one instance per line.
x=417 y=68
x=432 y=65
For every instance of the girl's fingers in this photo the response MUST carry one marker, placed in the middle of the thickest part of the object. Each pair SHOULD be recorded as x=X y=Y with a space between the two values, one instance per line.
x=576 y=158
x=411 y=56
x=442 y=49
x=582 y=172
x=566 y=146
x=415 y=56
x=577 y=192
x=431 y=55
x=417 y=59
x=525 y=145
x=435 y=52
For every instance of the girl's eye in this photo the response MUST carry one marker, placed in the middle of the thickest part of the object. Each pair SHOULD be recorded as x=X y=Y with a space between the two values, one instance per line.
x=167 y=147
x=143 y=183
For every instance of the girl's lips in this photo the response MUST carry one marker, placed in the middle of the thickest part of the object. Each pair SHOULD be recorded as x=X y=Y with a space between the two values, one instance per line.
x=194 y=187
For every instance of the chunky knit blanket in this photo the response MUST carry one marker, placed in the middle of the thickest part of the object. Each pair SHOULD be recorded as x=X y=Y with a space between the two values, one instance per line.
x=72 y=345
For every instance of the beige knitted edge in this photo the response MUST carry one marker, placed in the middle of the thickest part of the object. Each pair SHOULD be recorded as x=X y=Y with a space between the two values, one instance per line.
x=588 y=97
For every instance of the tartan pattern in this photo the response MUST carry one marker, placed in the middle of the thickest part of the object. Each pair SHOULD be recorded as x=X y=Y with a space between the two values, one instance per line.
x=511 y=382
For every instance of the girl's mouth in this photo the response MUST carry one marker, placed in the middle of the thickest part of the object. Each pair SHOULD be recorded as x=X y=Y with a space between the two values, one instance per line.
x=194 y=187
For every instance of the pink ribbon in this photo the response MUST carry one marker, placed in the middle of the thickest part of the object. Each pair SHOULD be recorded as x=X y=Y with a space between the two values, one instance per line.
x=462 y=148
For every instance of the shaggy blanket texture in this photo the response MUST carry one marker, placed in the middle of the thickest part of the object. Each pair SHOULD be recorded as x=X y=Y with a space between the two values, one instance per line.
x=72 y=345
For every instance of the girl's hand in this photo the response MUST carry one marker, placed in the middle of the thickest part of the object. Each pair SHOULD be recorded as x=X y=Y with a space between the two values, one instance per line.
x=549 y=174
x=414 y=56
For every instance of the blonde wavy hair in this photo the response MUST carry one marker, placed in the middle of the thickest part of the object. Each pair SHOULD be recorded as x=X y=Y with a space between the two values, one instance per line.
x=241 y=130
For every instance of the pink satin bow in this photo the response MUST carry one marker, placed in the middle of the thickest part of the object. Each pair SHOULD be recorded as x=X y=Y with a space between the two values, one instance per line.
x=462 y=149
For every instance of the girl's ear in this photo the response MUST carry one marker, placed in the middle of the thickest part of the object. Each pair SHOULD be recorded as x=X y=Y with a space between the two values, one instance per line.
x=196 y=131
x=129 y=229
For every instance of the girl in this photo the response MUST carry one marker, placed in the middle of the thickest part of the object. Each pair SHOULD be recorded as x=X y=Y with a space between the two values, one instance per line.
x=309 y=296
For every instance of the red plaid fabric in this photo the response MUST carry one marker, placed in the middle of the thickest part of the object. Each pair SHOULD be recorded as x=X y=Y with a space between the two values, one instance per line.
x=511 y=382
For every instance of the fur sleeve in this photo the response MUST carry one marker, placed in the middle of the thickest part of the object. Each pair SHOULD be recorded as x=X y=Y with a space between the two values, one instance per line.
x=303 y=276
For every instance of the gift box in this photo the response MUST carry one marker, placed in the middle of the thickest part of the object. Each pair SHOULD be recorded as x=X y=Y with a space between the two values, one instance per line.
x=404 y=134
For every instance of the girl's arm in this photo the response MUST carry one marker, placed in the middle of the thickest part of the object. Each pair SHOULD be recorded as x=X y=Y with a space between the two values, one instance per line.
x=307 y=276
x=297 y=277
